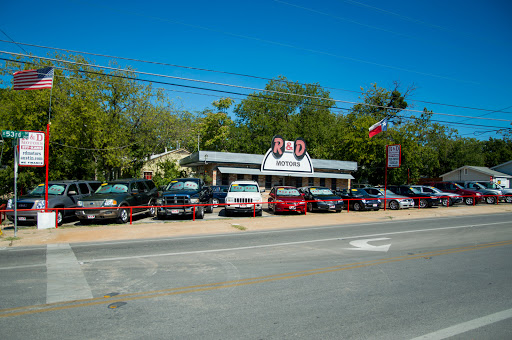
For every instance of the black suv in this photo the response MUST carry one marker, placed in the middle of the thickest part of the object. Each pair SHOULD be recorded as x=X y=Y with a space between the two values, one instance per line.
x=61 y=194
x=121 y=193
x=359 y=199
x=181 y=194
x=422 y=199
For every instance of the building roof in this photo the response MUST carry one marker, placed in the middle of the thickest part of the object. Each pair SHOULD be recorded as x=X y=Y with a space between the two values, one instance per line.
x=167 y=153
x=482 y=169
x=252 y=171
x=501 y=165
x=204 y=157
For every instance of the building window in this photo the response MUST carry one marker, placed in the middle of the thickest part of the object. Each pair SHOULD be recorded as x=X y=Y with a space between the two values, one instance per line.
x=148 y=174
x=239 y=177
x=225 y=179
x=333 y=183
x=298 y=182
x=465 y=172
x=255 y=178
x=311 y=181
x=322 y=182
x=268 y=181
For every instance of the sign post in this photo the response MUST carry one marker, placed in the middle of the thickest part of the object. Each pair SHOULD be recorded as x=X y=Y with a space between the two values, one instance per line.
x=393 y=160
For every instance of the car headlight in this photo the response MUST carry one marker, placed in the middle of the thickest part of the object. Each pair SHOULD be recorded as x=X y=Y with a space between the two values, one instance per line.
x=9 y=203
x=39 y=204
x=229 y=200
x=159 y=201
x=80 y=203
x=194 y=200
x=364 y=201
x=110 y=203
x=478 y=194
x=340 y=202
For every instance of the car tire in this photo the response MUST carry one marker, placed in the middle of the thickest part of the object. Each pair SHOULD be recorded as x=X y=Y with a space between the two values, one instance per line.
x=423 y=203
x=508 y=199
x=259 y=212
x=310 y=207
x=357 y=206
x=215 y=202
x=60 y=218
x=199 y=213
x=123 y=216
x=209 y=208
x=446 y=202
x=393 y=205
x=469 y=200
x=338 y=210
x=152 y=209
x=490 y=199
x=376 y=209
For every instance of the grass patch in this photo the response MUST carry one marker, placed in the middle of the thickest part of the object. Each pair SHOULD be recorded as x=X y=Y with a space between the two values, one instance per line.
x=239 y=227
x=11 y=238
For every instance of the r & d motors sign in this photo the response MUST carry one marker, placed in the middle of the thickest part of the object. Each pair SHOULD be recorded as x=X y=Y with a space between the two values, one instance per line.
x=287 y=157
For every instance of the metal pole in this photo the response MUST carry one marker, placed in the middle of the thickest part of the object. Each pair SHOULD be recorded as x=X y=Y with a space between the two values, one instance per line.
x=15 y=143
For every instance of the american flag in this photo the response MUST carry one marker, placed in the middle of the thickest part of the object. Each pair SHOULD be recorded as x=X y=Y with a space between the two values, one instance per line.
x=34 y=79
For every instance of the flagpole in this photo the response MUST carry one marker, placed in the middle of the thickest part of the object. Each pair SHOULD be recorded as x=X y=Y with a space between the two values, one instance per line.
x=47 y=149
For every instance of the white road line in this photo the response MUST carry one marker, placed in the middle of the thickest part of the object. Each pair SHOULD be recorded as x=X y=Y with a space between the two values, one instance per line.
x=65 y=279
x=285 y=243
x=467 y=326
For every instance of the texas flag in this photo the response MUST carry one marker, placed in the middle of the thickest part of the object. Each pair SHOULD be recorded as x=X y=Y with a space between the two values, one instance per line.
x=378 y=127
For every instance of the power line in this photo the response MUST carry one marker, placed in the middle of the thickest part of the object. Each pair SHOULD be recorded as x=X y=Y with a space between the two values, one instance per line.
x=228 y=73
x=235 y=86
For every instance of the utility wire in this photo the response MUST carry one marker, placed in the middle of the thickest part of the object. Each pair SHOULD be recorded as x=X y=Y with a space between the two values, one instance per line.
x=224 y=72
x=231 y=85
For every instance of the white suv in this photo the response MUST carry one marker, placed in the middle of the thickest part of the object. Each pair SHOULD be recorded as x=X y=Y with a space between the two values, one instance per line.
x=241 y=196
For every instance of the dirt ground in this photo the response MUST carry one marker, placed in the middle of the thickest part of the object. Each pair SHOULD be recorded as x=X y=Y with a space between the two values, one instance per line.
x=27 y=236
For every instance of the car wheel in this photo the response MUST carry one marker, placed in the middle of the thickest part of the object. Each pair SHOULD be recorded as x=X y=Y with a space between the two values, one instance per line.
x=123 y=216
x=310 y=207
x=445 y=202
x=508 y=199
x=469 y=200
x=490 y=199
x=376 y=209
x=423 y=203
x=259 y=212
x=199 y=213
x=357 y=206
x=209 y=208
x=152 y=209
x=393 y=205
x=338 y=210
x=215 y=202
x=60 y=218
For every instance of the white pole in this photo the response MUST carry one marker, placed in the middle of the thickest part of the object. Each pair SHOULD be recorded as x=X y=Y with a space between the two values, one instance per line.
x=15 y=143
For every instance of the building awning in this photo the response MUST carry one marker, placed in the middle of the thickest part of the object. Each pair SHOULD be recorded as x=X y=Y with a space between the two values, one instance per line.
x=252 y=171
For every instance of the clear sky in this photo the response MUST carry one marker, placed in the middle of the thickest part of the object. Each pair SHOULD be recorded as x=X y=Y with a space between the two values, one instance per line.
x=456 y=53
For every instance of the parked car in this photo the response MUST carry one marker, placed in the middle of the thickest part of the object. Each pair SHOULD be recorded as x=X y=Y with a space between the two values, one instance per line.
x=61 y=194
x=447 y=198
x=321 y=198
x=491 y=196
x=359 y=199
x=123 y=194
x=420 y=198
x=241 y=196
x=470 y=196
x=285 y=198
x=179 y=196
x=392 y=200
x=218 y=194
x=495 y=186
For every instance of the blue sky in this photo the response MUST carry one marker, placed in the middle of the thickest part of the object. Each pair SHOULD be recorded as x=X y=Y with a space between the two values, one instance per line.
x=453 y=52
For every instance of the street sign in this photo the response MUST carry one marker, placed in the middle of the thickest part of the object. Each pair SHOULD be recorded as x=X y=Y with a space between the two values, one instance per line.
x=394 y=156
x=14 y=134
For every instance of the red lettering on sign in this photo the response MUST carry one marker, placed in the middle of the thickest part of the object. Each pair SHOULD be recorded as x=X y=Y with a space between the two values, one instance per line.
x=289 y=146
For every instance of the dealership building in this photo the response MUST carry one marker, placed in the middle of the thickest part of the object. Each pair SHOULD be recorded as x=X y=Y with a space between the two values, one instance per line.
x=226 y=167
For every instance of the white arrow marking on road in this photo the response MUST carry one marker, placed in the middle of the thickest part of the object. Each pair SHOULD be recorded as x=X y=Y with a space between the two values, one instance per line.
x=363 y=245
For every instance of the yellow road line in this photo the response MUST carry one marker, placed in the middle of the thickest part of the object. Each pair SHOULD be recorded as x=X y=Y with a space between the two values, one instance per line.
x=235 y=283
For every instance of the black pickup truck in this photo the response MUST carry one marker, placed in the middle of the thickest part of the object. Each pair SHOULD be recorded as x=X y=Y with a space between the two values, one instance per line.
x=179 y=196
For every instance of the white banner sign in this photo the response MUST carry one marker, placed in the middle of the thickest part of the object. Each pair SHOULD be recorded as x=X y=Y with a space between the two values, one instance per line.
x=32 y=150
x=394 y=156
x=287 y=157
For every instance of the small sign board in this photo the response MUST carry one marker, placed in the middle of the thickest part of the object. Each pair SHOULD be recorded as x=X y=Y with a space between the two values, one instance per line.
x=394 y=156
x=32 y=149
x=14 y=134
x=287 y=157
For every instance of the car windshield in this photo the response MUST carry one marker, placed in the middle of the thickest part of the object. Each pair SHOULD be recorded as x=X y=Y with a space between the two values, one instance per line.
x=490 y=185
x=287 y=192
x=321 y=191
x=112 y=188
x=182 y=185
x=53 y=189
x=434 y=189
x=243 y=188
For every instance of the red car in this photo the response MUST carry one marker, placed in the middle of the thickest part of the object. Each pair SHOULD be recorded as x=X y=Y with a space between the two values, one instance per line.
x=283 y=198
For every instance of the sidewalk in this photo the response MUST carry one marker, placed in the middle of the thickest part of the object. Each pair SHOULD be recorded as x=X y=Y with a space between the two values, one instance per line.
x=110 y=232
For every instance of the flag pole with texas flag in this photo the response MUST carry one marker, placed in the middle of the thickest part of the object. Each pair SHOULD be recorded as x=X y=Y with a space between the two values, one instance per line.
x=378 y=127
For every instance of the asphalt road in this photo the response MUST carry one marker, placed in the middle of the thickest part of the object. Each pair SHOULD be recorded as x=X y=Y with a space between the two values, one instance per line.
x=429 y=279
